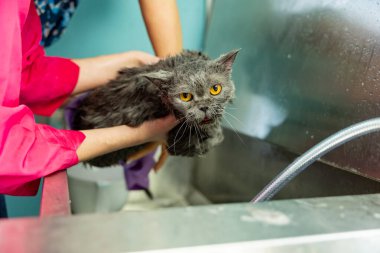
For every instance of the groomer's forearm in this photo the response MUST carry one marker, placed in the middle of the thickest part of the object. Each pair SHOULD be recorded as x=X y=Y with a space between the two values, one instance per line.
x=163 y=25
x=105 y=140
x=102 y=141
x=95 y=71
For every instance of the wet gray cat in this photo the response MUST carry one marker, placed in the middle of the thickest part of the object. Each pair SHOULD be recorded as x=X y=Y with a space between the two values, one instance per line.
x=193 y=87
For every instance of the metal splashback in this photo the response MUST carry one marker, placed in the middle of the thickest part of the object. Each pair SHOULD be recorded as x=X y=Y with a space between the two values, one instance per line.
x=306 y=70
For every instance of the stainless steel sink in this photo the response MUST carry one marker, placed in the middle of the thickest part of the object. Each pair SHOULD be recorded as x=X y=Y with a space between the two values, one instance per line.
x=242 y=165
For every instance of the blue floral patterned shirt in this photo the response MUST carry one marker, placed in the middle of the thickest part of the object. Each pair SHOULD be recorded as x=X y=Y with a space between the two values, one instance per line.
x=55 y=16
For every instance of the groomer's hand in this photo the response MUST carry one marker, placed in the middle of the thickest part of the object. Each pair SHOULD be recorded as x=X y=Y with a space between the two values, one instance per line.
x=97 y=71
x=156 y=130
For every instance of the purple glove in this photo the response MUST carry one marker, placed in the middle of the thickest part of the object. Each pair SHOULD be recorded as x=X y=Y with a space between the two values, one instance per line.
x=136 y=173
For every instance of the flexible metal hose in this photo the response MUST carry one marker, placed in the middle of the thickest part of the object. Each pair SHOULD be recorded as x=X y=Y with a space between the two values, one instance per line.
x=303 y=161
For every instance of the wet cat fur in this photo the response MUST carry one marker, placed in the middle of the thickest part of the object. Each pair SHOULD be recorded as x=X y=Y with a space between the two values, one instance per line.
x=153 y=91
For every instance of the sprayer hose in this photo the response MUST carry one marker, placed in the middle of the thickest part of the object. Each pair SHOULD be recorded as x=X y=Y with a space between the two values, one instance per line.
x=303 y=161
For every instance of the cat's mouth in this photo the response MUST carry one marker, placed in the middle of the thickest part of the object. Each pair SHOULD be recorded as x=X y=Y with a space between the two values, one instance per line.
x=207 y=121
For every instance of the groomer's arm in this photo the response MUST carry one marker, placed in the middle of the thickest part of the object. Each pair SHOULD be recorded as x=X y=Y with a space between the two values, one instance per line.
x=97 y=71
x=163 y=25
x=102 y=141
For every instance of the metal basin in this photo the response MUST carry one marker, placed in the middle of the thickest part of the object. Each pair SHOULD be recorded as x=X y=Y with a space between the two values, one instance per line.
x=242 y=165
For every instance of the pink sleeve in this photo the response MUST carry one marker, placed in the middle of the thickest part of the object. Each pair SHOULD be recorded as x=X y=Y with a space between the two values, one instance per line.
x=46 y=81
x=28 y=151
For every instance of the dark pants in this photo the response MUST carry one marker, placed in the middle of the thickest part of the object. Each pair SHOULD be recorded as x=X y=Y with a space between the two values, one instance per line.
x=3 y=208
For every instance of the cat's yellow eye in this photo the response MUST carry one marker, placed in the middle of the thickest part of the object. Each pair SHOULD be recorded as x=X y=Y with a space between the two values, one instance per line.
x=186 y=97
x=216 y=89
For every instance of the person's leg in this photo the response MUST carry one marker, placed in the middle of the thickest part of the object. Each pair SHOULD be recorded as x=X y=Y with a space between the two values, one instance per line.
x=3 y=208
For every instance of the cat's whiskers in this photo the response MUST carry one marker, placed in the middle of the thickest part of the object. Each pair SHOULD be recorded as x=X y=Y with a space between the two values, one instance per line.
x=221 y=111
x=196 y=131
x=189 y=138
x=234 y=129
x=197 y=127
x=175 y=137
x=180 y=119
x=199 y=136
x=184 y=131
x=241 y=122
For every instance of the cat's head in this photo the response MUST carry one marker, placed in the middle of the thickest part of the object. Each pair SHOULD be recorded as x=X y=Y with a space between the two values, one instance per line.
x=199 y=89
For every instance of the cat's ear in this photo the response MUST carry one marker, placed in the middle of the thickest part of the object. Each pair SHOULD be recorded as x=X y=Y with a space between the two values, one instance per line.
x=160 y=78
x=227 y=60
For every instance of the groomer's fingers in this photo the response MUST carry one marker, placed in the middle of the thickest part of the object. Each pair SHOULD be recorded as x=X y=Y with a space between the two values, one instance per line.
x=156 y=130
x=145 y=58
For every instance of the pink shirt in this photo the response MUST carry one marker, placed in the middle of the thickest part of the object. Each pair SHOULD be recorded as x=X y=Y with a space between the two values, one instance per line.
x=31 y=83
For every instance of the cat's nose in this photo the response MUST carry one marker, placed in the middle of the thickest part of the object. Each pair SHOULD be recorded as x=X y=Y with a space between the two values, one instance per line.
x=204 y=109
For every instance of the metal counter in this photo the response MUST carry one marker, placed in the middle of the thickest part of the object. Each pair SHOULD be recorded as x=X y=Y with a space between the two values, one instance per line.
x=348 y=223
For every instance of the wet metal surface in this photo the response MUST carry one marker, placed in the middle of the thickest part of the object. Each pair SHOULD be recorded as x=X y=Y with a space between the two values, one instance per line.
x=196 y=226
x=351 y=242
x=306 y=70
x=239 y=168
